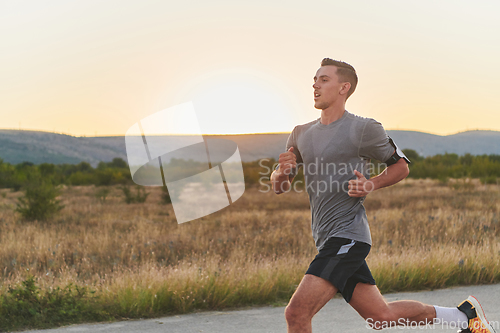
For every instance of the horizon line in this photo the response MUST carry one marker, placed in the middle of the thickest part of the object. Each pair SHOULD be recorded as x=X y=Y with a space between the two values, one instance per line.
x=228 y=134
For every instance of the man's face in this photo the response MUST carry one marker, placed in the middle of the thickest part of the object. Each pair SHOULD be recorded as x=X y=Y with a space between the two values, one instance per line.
x=327 y=89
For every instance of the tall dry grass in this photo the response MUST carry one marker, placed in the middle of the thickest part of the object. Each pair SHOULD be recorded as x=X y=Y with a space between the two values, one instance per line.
x=141 y=263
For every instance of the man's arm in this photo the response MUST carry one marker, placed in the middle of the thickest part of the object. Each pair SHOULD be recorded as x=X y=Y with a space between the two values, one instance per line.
x=280 y=179
x=393 y=174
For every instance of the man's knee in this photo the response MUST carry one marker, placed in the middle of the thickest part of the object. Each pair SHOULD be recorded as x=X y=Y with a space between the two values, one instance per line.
x=294 y=314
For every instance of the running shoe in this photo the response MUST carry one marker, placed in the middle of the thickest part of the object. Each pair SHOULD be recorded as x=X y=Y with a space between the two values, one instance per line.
x=475 y=314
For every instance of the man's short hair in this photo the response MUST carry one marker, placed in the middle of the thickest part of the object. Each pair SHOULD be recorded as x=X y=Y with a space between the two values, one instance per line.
x=345 y=72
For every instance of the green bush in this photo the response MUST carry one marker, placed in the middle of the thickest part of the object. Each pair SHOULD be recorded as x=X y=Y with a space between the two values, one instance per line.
x=140 y=196
x=25 y=306
x=81 y=178
x=489 y=180
x=101 y=194
x=39 y=201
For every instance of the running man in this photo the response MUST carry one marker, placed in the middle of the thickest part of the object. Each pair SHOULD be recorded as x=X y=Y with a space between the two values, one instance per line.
x=335 y=151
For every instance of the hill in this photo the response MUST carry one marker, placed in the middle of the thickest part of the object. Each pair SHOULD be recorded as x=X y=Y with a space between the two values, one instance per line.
x=43 y=147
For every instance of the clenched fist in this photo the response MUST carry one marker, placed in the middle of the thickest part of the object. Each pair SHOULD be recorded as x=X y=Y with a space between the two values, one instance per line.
x=360 y=187
x=287 y=161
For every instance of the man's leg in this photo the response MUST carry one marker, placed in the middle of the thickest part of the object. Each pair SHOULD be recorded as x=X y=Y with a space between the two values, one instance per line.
x=370 y=304
x=311 y=295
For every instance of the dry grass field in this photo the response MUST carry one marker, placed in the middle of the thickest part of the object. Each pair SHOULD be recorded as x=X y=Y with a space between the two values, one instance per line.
x=141 y=263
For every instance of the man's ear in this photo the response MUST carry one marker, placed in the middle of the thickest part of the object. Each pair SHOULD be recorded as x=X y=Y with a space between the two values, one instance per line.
x=345 y=88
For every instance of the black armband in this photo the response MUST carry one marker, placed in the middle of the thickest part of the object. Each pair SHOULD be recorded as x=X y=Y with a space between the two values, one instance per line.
x=398 y=154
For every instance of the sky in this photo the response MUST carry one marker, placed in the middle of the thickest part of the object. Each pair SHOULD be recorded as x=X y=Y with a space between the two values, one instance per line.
x=95 y=68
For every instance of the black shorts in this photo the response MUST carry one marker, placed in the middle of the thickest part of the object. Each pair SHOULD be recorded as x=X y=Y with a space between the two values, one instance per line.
x=342 y=262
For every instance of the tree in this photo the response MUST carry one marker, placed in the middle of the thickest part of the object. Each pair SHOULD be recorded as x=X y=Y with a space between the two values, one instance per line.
x=39 y=201
x=118 y=163
x=412 y=155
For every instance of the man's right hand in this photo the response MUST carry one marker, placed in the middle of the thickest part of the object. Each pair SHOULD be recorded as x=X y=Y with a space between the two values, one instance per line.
x=287 y=161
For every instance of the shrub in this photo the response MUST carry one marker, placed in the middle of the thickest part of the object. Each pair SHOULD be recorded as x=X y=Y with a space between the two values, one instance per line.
x=489 y=180
x=39 y=201
x=140 y=196
x=26 y=306
x=101 y=194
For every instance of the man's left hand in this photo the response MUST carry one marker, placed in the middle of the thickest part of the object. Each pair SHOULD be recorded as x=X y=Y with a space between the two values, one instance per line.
x=360 y=187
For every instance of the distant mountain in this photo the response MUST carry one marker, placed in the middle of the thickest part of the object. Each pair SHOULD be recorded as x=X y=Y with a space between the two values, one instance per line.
x=43 y=147
x=473 y=142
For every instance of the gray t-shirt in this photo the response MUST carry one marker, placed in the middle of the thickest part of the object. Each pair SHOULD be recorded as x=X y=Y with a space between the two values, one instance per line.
x=329 y=154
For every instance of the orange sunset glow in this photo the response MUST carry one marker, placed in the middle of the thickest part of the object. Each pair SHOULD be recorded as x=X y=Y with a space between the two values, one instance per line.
x=97 y=67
